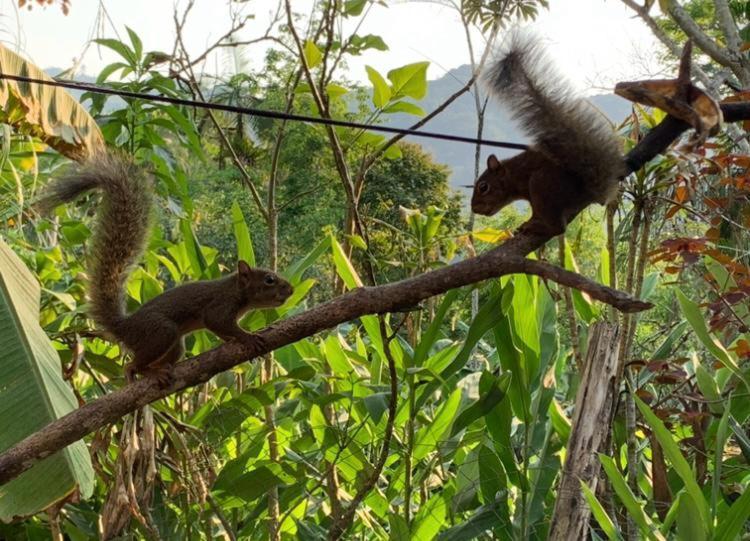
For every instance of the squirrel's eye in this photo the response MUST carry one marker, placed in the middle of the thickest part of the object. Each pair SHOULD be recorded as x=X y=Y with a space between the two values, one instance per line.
x=269 y=280
x=483 y=187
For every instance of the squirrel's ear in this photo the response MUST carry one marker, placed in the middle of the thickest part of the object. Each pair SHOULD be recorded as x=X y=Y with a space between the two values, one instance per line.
x=493 y=164
x=243 y=272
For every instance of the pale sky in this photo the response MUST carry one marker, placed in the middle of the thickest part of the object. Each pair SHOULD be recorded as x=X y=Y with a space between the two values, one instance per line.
x=595 y=42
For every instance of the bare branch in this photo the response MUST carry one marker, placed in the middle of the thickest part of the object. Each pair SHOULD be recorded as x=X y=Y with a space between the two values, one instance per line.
x=727 y=25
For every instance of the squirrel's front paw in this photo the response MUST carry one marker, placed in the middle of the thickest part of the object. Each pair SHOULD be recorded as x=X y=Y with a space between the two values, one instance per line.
x=164 y=375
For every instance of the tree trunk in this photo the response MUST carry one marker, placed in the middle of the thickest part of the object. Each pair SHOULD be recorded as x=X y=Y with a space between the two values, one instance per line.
x=591 y=423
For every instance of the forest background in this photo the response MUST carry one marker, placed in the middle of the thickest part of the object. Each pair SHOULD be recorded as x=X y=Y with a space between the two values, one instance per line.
x=449 y=420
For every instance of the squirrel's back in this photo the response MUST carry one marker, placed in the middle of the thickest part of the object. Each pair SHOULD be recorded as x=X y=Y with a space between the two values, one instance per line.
x=119 y=235
x=563 y=126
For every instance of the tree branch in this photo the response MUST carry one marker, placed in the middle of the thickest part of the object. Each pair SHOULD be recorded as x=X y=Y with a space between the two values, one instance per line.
x=506 y=259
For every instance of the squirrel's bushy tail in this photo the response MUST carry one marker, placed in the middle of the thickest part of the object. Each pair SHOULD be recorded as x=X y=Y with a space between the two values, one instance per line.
x=561 y=124
x=122 y=223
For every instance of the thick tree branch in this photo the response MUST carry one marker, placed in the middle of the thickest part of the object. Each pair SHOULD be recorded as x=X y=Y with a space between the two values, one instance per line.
x=506 y=259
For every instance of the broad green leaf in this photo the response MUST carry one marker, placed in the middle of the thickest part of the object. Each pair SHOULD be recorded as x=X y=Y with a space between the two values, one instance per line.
x=680 y=465
x=485 y=518
x=601 y=516
x=313 y=56
x=33 y=394
x=136 y=42
x=381 y=92
x=337 y=358
x=693 y=315
x=560 y=421
x=581 y=301
x=428 y=337
x=492 y=478
x=708 y=387
x=344 y=267
x=731 y=523
x=722 y=432
x=433 y=433
x=354 y=8
x=430 y=517
x=335 y=91
x=245 y=250
x=635 y=509
x=689 y=524
x=248 y=486
x=297 y=269
x=409 y=80
x=120 y=48
x=488 y=399
x=405 y=107
x=46 y=112
x=483 y=322
x=193 y=250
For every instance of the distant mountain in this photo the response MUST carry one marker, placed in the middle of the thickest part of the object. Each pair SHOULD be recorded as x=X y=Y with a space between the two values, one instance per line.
x=459 y=118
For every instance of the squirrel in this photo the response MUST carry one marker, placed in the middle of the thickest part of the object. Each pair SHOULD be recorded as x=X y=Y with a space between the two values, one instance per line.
x=575 y=158
x=153 y=333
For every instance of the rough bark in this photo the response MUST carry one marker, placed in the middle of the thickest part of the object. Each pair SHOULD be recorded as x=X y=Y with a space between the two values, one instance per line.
x=591 y=423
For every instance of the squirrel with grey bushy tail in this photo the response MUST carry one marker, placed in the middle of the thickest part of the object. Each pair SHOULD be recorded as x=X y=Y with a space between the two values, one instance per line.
x=153 y=333
x=575 y=158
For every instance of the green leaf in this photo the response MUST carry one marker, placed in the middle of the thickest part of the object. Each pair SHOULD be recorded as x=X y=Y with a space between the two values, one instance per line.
x=430 y=436
x=405 y=107
x=249 y=486
x=732 y=522
x=192 y=247
x=344 y=267
x=381 y=92
x=32 y=395
x=689 y=524
x=354 y=8
x=298 y=268
x=409 y=80
x=722 y=433
x=337 y=358
x=137 y=43
x=635 y=509
x=376 y=404
x=313 y=56
x=560 y=421
x=492 y=480
x=680 y=465
x=120 y=48
x=245 y=250
x=335 y=91
x=429 y=518
x=485 y=518
x=693 y=315
x=427 y=340
x=487 y=401
x=708 y=387
x=601 y=516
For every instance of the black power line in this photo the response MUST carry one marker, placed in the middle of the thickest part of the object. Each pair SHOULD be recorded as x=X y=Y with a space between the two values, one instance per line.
x=88 y=87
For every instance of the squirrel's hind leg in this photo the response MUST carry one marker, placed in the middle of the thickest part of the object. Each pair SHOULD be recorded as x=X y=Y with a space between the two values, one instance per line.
x=156 y=354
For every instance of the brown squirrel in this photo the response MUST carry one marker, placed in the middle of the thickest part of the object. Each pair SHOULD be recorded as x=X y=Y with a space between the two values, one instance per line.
x=575 y=159
x=153 y=333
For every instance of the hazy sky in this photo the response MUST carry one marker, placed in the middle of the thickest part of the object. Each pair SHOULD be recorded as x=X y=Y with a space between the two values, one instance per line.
x=596 y=42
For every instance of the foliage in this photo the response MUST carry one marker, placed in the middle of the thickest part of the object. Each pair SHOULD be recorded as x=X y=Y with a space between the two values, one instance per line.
x=484 y=403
